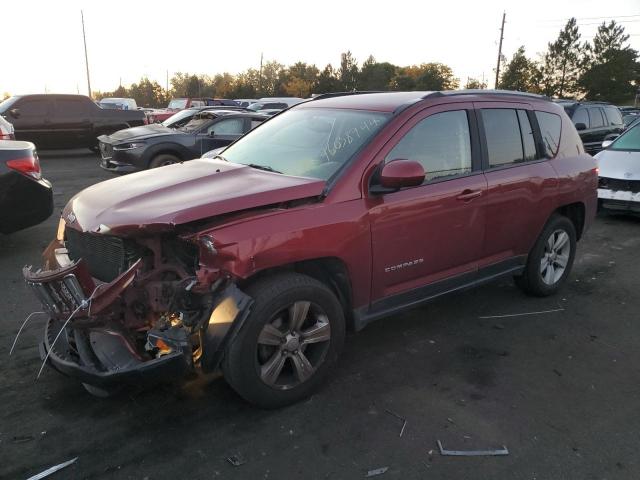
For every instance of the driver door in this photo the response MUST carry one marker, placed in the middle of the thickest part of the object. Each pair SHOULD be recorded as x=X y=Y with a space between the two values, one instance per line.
x=427 y=238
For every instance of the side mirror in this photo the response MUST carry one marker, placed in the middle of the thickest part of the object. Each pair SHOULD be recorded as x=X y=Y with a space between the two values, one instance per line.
x=15 y=112
x=401 y=173
x=581 y=126
x=606 y=143
x=212 y=133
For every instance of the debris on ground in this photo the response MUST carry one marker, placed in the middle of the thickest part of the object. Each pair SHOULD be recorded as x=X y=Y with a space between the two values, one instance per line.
x=557 y=372
x=236 y=460
x=402 y=419
x=377 y=471
x=53 y=469
x=472 y=453
x=522 y=314
x=22 y=438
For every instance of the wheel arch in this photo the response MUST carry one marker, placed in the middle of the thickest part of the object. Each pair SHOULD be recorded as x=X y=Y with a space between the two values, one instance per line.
x=331 y=271
x=576 y=213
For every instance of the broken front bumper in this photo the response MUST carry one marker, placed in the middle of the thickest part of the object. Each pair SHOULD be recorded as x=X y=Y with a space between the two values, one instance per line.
x=117 y=366
x=100 y=351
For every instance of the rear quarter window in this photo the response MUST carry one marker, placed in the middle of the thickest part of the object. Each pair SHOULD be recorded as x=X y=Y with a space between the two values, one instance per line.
x=550 y=130
x=614 y=117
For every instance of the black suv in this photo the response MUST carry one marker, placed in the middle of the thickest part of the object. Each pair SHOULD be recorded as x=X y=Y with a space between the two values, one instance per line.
x=595 y=121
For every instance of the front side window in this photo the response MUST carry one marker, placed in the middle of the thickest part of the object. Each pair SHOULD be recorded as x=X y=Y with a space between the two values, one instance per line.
x=34 y=108
x=229 y=126
x=596 y=118
x=502 y=132
x=550 y=128
x=440 y=143
x=307 y=142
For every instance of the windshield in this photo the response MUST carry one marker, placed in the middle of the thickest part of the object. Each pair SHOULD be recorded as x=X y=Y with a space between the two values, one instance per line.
x=110 y=105
x=198 y=121
x=629 y=140
x=179 y=119
x=6 y=105
x=178 y=103
x=308 y=142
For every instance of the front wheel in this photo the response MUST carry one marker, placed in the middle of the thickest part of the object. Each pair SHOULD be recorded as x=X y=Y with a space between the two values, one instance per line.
x=550 y=259
x=162 y=160
x=292 y=336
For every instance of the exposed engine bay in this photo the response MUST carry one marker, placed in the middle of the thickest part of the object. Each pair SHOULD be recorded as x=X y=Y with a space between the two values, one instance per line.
x=133 y=311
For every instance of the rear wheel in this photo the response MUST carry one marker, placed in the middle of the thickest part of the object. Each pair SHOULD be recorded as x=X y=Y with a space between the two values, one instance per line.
x=551 y=258
x=292 y=336
x=162 y=160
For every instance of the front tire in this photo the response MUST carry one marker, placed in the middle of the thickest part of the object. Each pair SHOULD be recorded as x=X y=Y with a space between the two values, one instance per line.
x=162 y=160
x=291 y=338
x=551 y=258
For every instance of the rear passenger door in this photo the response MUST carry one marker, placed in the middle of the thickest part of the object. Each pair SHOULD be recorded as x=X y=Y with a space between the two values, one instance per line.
x=71 y=123
x=520 y=180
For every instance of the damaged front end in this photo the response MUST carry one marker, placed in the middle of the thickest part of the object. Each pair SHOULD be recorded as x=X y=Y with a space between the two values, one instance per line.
x=133 y=310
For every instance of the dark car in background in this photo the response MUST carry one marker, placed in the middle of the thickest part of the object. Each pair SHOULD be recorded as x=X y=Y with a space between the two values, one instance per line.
x=156 y=145
x=177 y=104
x=64 y=121
x=26 y=198
x=181 y=118
x=594 y=121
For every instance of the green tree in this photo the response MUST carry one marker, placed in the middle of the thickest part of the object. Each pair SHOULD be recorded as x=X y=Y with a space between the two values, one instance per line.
x=475 y=84
x=301 y=79
x=436 y=76
x=563 y=63
x=613 y=70
x=270 y=82
x=348 y=72
x=519 y=74
x=147 y=93
x=328 y=81
x=376 y=76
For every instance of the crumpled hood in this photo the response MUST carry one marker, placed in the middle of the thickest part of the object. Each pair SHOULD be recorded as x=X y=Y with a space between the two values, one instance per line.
x=138 y=133
x=619 y=164
x=160 y=198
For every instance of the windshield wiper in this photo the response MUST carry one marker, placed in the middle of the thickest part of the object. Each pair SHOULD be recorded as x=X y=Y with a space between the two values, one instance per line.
x=221 y=158
x=266 y=168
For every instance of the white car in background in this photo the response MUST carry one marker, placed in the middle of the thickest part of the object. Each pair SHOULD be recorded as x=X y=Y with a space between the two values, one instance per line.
x=6 y=129
x=619 y=172
x=118 y=103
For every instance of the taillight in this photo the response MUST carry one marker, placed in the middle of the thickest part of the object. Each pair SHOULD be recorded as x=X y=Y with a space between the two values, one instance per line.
x=27 y=166
x=6 y=136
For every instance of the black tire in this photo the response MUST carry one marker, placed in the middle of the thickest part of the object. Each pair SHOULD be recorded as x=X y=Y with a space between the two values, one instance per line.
x=273 y=296
x=532 y=281
x=163 y=159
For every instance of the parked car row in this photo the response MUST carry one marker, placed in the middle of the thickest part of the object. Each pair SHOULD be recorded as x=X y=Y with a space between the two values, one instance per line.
x=337 y=212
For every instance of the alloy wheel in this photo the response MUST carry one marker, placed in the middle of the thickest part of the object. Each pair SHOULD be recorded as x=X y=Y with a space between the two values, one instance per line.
x=555 y=258
x=292 y=345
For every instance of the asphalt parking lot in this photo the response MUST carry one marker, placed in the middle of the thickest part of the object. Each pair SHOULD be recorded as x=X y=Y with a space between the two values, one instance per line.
x=560 y=390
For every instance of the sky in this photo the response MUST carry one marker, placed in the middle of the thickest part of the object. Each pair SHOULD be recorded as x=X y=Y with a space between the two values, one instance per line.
x=126 y=40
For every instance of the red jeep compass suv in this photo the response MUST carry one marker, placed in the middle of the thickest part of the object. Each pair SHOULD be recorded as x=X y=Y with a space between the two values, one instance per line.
x=339 y=211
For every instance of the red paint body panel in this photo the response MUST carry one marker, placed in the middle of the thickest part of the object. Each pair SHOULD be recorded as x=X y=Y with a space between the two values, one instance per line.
x=182 y=193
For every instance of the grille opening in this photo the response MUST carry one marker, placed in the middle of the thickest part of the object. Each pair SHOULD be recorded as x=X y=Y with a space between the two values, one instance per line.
x=106 y=256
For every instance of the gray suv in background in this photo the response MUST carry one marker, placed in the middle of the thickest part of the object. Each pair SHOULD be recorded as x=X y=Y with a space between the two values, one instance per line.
x=595 y=121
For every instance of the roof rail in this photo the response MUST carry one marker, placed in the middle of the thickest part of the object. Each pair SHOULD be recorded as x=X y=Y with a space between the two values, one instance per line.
x=486 y=92
x=344 y=94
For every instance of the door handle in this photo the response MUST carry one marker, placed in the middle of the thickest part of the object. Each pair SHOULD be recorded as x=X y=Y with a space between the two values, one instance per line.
x=467 y=195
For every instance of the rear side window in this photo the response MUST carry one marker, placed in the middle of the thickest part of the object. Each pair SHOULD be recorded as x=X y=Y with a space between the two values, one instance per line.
x=506 y=142
x=69 y=108
x=550 y=129
x=613 y=115
x=595 y=114
x=581 y=116
x=440 y=142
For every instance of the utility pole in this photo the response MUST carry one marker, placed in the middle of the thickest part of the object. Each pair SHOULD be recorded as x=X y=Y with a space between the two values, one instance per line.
x=167 y=85
x=260 y=78
x=504 y=14
x=86 y=58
